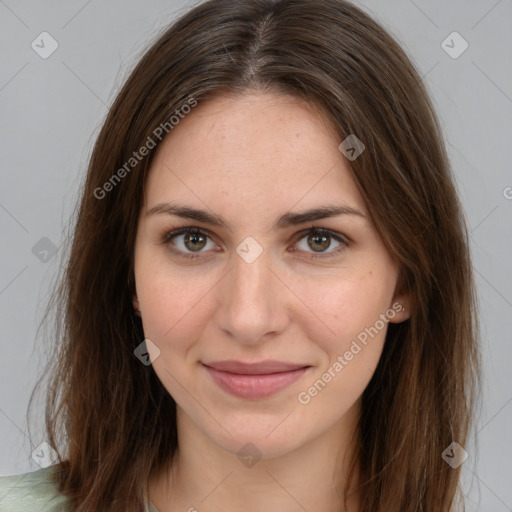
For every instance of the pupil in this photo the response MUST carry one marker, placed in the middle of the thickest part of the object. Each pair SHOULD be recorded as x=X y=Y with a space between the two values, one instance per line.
x=320 y=240
x=194 y=238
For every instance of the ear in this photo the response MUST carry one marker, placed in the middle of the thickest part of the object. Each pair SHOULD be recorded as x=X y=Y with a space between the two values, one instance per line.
x=136 y=305
x=401 y=307
x=402 y=304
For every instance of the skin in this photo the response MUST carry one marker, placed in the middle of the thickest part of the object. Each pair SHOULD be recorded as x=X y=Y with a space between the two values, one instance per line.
x=250 y=159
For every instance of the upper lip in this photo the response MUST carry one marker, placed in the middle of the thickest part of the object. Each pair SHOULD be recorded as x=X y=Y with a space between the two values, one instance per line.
x=261 y=368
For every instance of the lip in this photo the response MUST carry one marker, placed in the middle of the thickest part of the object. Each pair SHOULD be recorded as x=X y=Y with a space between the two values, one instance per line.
x=254 y=380
x=261 y=368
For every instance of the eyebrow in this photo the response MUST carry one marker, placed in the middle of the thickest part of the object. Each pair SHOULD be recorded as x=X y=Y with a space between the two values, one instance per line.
x=286 y=220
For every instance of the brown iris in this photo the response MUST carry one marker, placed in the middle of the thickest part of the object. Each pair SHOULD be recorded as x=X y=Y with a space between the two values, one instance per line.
x=319 y=240
x=197 y=241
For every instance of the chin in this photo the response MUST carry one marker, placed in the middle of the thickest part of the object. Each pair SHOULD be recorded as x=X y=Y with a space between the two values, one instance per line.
x=267 y=437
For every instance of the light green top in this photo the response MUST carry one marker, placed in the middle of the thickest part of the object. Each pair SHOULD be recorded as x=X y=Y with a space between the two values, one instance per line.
x=34 y=492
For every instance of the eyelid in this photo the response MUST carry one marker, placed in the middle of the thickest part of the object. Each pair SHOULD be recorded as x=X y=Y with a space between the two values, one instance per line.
x=169 y=235
x=341 y=238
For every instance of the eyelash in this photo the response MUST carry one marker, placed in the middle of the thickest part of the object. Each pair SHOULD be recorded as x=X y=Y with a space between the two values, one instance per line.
x=170 y=235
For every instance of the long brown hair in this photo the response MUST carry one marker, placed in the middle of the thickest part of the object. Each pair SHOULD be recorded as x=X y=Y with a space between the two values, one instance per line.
x=108 y=416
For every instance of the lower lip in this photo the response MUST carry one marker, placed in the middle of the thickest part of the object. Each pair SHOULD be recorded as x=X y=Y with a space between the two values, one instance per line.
x=255 y=386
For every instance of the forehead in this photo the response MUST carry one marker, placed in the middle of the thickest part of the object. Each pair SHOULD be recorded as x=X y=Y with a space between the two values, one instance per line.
x=256 y=151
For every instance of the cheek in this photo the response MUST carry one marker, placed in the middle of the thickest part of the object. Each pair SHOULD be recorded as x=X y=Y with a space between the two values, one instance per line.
x=172 y=307
x=352 y=346
x=174 y=314
x=341 y=309
x=176 y=305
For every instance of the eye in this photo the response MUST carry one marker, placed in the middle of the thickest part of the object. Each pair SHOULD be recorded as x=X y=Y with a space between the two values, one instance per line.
x=193 y=240
x=184 y=242
x=319 y=240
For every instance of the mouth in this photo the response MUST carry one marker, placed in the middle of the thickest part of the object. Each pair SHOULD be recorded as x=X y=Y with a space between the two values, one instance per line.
x=254 y=380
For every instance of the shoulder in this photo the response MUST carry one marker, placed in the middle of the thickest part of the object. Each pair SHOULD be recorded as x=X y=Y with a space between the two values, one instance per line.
x=29 y=492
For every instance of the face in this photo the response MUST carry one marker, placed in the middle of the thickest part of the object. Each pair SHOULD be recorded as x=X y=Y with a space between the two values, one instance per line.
x=251 y=281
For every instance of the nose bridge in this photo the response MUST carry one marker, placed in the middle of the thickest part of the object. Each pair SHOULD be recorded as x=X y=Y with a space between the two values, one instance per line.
x=250 y=307
x=251 y=279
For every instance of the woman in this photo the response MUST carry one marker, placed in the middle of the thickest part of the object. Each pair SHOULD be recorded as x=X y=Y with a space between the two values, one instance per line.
x=269 y=301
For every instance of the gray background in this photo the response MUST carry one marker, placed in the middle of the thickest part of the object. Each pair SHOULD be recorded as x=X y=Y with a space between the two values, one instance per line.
x=51 y=113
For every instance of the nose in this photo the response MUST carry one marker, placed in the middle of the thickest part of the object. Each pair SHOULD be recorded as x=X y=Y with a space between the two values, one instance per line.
x=252 y=301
